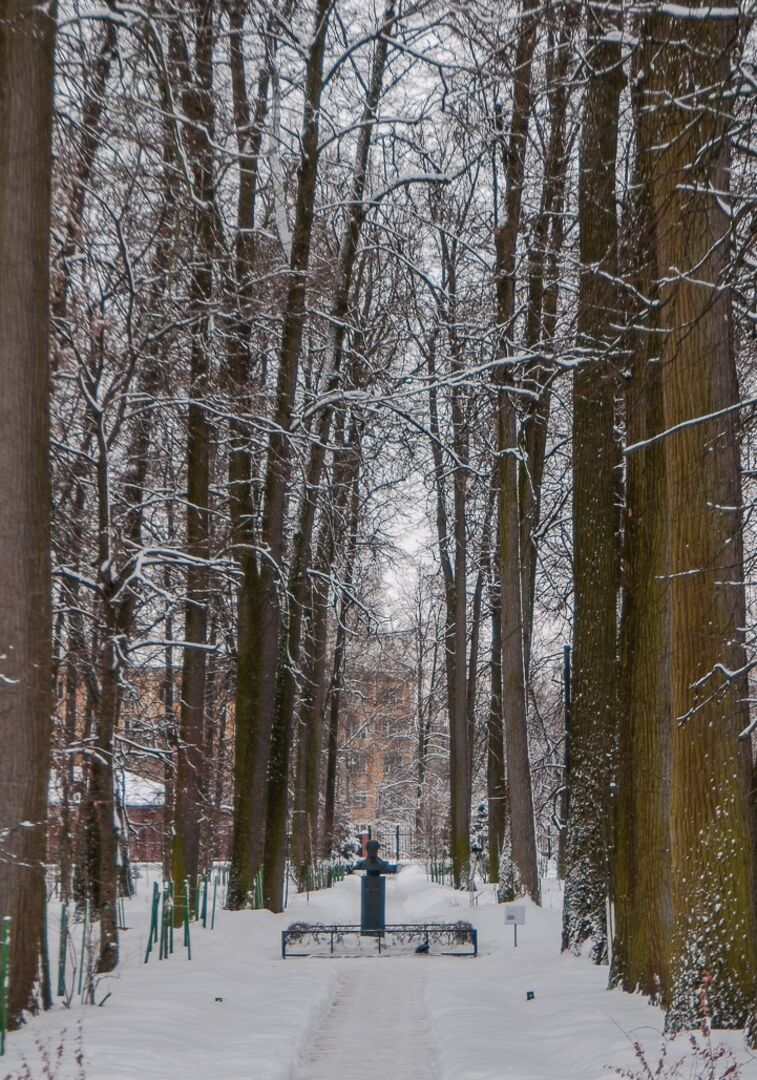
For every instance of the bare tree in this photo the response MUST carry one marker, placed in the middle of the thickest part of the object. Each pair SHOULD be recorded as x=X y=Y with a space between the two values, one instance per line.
x=255 y=720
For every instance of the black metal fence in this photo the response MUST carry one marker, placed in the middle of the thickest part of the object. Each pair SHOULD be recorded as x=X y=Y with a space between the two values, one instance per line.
x=397 y=841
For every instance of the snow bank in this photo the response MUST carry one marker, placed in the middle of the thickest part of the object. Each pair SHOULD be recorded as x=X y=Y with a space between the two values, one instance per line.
x=462 y=1018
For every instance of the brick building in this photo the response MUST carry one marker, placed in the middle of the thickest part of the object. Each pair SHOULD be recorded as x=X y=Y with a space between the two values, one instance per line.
x=376 y=769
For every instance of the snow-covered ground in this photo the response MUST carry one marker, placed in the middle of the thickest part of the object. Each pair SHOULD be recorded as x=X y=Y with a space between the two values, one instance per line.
x=238 y=1012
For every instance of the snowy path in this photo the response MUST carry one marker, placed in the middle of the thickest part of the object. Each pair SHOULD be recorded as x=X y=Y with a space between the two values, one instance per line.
x=378 y=1025
x=240 y=1012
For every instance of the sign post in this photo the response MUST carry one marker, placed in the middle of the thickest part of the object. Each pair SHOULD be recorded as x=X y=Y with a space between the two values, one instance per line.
x=515 y=916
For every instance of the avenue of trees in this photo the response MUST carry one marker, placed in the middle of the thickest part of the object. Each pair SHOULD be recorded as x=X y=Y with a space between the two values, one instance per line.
x=330 y=327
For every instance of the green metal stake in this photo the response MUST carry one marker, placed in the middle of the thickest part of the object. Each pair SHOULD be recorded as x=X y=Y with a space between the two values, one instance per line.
x=163 y=928
x=213 y=913
x=153 y=934
x=168 y=907
x=155 y=910
x=204 y=901
x=5 y=953
x=187 y=942
x=62 y=951
x=83 y=944
x=154 y=914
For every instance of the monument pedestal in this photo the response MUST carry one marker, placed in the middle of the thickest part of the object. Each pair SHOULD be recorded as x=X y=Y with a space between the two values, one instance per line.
x=373 y=905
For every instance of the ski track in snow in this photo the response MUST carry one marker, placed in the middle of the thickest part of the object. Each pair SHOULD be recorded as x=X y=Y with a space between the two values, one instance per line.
x=377 y=1026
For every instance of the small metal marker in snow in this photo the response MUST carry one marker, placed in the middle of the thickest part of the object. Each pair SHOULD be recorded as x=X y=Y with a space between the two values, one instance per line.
x=515 y=916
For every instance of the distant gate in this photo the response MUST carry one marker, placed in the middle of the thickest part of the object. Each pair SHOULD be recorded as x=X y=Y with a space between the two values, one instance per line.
x=396 y=840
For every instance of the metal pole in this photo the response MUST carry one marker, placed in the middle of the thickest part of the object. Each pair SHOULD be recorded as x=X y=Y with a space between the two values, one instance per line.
x=5 y=954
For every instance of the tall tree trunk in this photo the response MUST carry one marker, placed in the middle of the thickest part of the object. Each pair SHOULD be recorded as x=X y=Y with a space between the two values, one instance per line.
x=543 y=293
x=454 y=572
x=27 y=38
x=169 y=723
x=281 y=741
x=263 y=602
x=249 y=126
x=526 y=875
x=138 y=457
x=641 y=944
x=423 y=708
x=471 y=686
x=103 y=833
x=304 y=825
x=106 y=838
x=522 y=826
x=191 y=780
x=91 y=129
x=685 y=143
x=328 y=829
x=75 y=661
x=304 y=828
x=587 y=883
x=495 y=743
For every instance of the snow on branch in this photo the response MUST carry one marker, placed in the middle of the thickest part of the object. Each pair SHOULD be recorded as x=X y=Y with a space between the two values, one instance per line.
x=694 y=422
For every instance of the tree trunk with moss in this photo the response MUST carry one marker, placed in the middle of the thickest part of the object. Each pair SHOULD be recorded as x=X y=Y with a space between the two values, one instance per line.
x=641 y=944
x=588 y=844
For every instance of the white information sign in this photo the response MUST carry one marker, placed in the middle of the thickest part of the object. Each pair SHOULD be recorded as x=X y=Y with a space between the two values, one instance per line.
x=515 y=915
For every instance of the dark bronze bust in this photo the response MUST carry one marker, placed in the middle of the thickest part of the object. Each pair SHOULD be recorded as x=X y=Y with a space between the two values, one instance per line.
x=373 y=865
